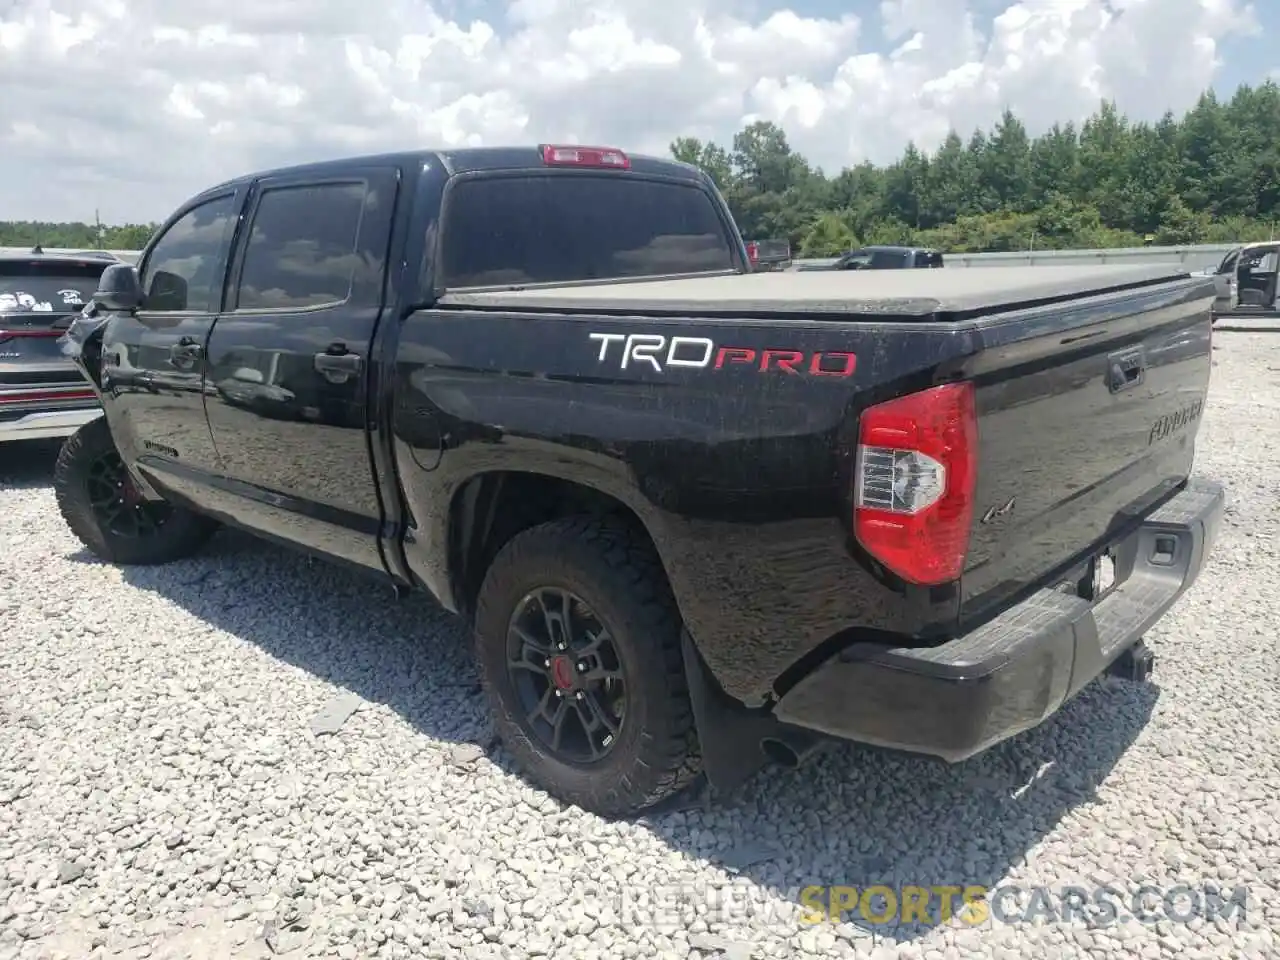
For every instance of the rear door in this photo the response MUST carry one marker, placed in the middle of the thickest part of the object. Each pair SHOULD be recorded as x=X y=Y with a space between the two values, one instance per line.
x=38 y=298
x=286 y=378
x=153 y=361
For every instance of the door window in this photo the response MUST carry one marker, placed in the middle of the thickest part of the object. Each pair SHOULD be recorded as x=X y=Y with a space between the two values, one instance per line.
x=182 y=270
x=301 y=251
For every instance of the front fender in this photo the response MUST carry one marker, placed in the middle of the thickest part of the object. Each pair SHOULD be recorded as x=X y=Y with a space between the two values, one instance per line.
x=82 y=344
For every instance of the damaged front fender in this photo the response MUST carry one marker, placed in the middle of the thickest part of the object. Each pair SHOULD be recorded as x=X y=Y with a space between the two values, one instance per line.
x=82 y=344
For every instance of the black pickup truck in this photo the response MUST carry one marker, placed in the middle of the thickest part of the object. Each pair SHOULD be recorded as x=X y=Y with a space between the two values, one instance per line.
x=882 y=258
x=697 y=517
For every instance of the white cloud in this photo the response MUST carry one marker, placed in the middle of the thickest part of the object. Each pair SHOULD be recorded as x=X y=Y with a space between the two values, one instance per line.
x=132 y=105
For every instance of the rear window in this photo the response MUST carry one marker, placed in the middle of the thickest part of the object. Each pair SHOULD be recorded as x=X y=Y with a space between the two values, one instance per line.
x=558 y=229
x=44 y=287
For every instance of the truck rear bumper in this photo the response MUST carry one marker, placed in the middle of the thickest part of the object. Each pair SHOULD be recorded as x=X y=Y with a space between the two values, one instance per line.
x=44 y=424
x=955 y=700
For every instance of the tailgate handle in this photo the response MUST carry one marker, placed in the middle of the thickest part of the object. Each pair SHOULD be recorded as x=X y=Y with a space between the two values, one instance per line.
x=1125 y=370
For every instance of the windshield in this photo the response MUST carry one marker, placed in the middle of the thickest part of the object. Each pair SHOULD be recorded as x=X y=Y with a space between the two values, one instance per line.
x=47 y=287
x=559 y=229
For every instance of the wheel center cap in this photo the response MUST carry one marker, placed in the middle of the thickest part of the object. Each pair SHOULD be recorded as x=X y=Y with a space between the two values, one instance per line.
x=562 y=673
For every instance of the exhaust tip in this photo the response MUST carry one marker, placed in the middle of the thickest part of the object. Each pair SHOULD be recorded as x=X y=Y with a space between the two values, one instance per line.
x=780 y=752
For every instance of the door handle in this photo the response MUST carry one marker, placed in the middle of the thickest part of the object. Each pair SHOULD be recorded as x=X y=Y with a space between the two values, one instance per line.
x=185 y=353
x=337 y=364
x=1126 y=370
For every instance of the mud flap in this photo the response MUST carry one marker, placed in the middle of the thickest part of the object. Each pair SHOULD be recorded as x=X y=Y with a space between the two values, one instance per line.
x=732 y=735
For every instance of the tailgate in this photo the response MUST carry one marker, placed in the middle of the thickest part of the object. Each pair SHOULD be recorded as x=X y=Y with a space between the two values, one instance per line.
x=1084 y=426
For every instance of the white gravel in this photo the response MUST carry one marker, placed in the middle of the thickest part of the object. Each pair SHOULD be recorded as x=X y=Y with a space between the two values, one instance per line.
x=163 y=794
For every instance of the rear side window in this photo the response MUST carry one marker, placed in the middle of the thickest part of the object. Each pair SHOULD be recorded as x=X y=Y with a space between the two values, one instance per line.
x=301 y=249
x=46 y=287
x=562 y=228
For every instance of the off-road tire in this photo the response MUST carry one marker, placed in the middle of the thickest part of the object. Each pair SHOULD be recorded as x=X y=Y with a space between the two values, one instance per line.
x=182 y=534
x=619 y=576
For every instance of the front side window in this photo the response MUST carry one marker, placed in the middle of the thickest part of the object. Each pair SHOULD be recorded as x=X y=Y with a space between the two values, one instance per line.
x=301 y=251
x=182 y=270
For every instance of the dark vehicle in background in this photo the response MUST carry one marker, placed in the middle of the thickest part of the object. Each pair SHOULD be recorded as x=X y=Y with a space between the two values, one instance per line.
x=695 y=516
x=767 y=255
x=42 y=394
x=882 y=258
x=1246 y=281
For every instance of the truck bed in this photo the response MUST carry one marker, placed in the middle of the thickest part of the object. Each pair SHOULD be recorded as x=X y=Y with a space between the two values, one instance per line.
x=885 y=294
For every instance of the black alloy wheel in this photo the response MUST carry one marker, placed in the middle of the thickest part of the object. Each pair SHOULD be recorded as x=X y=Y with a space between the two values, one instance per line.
x=108 y=514
x=578 y=640
x=568 y=677
x=116 y=503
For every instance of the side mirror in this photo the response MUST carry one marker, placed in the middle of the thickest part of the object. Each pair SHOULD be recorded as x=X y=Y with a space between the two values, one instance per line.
x=119 y=289
x=168 y=292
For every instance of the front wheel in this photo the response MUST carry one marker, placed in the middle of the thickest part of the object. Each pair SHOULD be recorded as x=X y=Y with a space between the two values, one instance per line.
x=99 y=502
x=578 y=640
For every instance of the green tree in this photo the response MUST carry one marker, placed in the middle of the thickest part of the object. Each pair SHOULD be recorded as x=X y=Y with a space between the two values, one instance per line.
x=827 y=236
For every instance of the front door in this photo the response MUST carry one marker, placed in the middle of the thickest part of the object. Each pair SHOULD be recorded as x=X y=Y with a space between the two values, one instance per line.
x=1257 y=277
x=288 y=358
x=153 y=361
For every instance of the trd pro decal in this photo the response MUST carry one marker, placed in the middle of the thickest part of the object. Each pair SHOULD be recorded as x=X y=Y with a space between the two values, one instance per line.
x=659 y=352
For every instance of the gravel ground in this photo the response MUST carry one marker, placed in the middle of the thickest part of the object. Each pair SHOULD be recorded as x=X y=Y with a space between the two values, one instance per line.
x=163 y=794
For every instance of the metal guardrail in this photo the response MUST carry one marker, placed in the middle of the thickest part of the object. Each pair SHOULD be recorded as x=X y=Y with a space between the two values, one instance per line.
x=1194 y=257
x=1197 y=257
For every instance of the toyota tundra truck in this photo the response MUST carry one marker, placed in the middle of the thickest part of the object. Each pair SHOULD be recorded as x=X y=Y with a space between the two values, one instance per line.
x=698 y=518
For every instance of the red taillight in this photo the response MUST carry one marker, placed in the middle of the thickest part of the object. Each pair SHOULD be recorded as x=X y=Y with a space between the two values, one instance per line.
x=38 y=334
x=33 y=396
x=574 y=156
x=914 y=482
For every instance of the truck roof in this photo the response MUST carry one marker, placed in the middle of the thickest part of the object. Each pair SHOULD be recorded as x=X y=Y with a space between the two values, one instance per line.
x=460 y=160
x=892 y=294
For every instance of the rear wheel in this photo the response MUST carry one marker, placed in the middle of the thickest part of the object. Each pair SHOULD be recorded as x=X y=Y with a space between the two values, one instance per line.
x=99 y=502
x=578 y=640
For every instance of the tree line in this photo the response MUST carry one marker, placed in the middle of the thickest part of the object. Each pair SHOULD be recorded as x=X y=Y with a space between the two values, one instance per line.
x=1211 y=176
x=79 y=236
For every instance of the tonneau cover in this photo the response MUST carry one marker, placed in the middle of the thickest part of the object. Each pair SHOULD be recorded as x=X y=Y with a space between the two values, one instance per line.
x=903 y=294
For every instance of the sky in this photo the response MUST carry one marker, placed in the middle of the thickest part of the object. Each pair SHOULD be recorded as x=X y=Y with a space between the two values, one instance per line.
x=128 y=107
